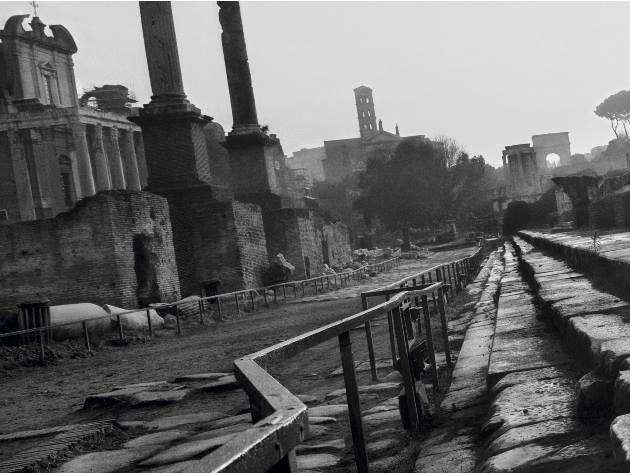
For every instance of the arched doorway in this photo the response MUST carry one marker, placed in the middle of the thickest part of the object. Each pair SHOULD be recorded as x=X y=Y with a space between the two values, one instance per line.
x=552 y=160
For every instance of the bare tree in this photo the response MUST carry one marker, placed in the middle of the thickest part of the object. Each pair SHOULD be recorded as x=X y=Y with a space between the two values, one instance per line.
x=449 y=147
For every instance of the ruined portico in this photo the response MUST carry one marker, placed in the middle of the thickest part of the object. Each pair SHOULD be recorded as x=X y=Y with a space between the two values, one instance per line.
x=53 y=150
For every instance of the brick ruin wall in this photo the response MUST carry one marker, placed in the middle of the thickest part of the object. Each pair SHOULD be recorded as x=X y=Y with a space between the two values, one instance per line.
x=113 y=248
x=337 y=238
x=300 y=234
x=215 y=241
x=252 y=242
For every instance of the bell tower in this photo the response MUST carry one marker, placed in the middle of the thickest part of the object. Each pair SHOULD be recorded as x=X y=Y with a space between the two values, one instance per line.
x=365 y=111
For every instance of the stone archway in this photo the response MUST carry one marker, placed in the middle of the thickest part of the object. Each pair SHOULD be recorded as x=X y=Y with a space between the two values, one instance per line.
x=552 y=143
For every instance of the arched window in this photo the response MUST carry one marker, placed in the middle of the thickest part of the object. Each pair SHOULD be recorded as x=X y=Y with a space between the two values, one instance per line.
x=67 y=187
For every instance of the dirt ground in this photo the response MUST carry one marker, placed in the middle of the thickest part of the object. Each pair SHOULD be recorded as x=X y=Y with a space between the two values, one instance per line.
x=36 y=397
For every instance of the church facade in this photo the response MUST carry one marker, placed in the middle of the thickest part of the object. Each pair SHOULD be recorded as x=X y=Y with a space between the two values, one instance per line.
x=53 y=150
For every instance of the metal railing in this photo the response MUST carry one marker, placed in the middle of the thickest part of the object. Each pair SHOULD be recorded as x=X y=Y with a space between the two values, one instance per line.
x=43 y=330
x=280 y=418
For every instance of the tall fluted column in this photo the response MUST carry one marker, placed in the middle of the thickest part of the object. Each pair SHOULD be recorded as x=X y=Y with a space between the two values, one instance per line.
x=22 y=177
x=103 y=180
x=128 y=153
x=84 y=165
x=237 y=68
x=115 y=160
x=161 y=47
x=140 y=158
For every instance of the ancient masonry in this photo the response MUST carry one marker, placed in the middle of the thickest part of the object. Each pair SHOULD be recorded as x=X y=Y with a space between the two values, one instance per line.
x=219 y=208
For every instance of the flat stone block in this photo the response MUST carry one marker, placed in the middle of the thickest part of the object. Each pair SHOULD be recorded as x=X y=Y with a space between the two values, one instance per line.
x=328 y=410
x=201 y=377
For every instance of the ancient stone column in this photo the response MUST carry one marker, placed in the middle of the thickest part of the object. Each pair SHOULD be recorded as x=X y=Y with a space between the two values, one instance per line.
x=22 y=177
x=161 y=48
x=103 y=180
x=237 y=68
x=84 y=165
x=128 y=152
x=115 y=160
x=140 y=158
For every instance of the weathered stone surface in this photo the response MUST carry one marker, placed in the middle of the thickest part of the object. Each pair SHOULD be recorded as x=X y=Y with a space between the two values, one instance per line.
x=227 y=383
x=594 y=395
x=331 y=446
x=158 y=438
x=173 y=467
x=321 y=420
x=185 y=451
x=315 y=431
x=308 y=399
x=620 y=438
x=201 y=377
x=363 y=366
x=385 y=388
x=382 y=417
x=462 y=460
x=105 y=462
x=317 y=461
x=137 y=396
x=230 y=429
x=611 y=356
x=380 y=448
x=231 y=420
x=171 y=422
x=552 y=430
x=328 y=410
x=621 y=394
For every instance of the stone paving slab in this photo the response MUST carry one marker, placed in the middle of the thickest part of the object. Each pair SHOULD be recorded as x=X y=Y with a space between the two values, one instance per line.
x=453 y=446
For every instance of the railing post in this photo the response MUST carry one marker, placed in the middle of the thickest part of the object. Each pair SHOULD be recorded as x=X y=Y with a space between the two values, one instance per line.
x=149 y=322
x=86 y=336
x=219 y=313
x=370 y=342
x=238 y=308
x=120 y=328
x=179 y=325
x=354 y=404
x=392 y=336
x=405 y=371
x=251 y=297
x=200 y=304
x=450 y=279
x=275 y=295
x=429 y=336
x=284 y=292
x=265 y=297
x=447 y=348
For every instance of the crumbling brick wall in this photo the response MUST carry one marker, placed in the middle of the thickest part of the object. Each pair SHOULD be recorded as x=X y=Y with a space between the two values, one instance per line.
x=337 y=242
x=252 y=243
x=216 y=241
x=88 y=254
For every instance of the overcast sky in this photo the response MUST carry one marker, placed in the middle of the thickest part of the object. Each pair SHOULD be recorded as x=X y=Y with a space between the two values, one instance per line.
x=487 y=74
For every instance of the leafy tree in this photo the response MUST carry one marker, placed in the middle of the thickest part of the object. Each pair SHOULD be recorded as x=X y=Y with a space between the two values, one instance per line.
x=409 y=190
x=616 y=109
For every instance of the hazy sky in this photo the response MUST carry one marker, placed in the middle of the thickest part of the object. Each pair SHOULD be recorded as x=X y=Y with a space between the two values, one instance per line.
x=487 y=73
